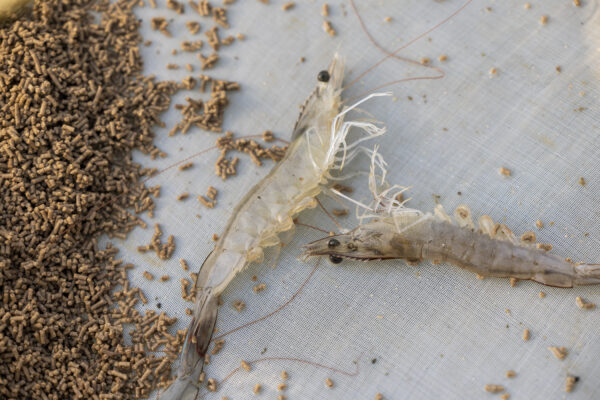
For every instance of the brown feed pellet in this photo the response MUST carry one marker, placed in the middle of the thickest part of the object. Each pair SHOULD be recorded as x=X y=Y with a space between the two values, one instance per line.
x=493 y=388
x=583 y=304
x=559 y=352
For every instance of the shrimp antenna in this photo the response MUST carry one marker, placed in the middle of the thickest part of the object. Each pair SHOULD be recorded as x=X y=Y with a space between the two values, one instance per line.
x=395 y=52
x=281 y=307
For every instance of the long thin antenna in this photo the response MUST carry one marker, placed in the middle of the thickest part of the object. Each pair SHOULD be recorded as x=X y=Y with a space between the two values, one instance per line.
x=395 y=52
x=276 y=310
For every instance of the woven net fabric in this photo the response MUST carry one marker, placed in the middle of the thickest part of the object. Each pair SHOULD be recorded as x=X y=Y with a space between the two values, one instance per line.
x=517 y=93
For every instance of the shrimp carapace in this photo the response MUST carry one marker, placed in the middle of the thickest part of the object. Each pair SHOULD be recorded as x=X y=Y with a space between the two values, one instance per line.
x=492 y=250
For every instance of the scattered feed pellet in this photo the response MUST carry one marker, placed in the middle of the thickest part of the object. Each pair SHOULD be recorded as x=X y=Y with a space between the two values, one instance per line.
x=288 y=6
x=281 y=387
x=505 y=396
x=284 y=375
x=541 y=295
x=245 y=366
x=443 y=57
x=327 y=27
x=239 y=305
x=570 y=383
x=257 y=388
x=544 y=19
x=148 y=275
x=582 y=181
x=493 y=388
x=329 y=382
x=539 y=224
x=505 y=171
x=559 y=352
x=259 y=288
x=583 y=304
x=526 y=334
x=511 y=374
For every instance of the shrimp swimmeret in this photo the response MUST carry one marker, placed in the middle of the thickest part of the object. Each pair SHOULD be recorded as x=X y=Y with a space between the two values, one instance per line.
x=268 y=209
x=397 y=232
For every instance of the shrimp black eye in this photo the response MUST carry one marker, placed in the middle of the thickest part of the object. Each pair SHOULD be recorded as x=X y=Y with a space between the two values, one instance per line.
x=323 y=76
x=333 y=243
x=335 y=259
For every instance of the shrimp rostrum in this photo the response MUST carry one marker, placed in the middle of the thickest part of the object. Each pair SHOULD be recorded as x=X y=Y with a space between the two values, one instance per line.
x=393 y=231
x=318 y=146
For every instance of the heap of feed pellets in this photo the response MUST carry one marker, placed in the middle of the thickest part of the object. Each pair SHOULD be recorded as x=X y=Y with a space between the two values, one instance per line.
x=73 y=106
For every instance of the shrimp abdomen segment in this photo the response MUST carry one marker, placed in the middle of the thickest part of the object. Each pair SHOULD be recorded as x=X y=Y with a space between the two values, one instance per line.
x=487 y=256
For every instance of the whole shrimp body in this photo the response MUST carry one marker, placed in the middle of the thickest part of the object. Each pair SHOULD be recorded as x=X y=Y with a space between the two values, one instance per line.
x=397 y=232
x=268 y=209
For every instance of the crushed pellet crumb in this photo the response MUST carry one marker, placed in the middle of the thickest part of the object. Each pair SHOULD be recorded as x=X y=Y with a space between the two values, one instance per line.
x=570 y=383
x=493 y=71
x=239 y=305
x=184 y=264
x=240 y=36
x=172 y=66
x=281 y=387
x=288 y=6
x=254 y=278
x=211 y=385
x=193 y=27
x=583 y=304
x=327 y=27
x=378 y=396
x=576 y=3
x=281 y=397
x=443 y=57
x=493 y=388
x=219 y=343
x=559 y=352
x=541 y=295
x=513 y=282
x=329 y=382
x=510 y=373
x=539 y=224
x=215 y=237
x=160 y=24
x=387 y=19
x=527 y=6
x=505 y=396
x=544 y=19
x=148 y=275
x=165 y=278
x=245 y=365
x=505 y=171
x=325 y=10
x=544 y=246
x=259 y=288
x=528 y=237
x=186 y=166
x=526 y=334
x=257 y=388
x=582 y=181
x=425 y=61
x=284 y=375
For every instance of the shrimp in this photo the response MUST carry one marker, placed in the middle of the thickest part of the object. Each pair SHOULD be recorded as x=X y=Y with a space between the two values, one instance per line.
x=318 y=138
x=394 y=231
